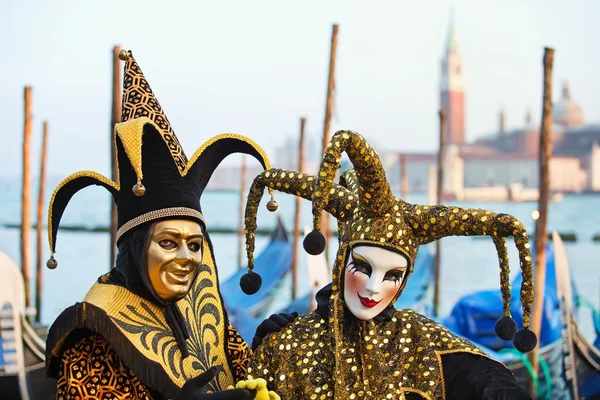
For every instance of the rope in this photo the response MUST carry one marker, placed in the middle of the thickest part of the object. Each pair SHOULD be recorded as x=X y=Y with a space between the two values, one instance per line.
x=595 y=314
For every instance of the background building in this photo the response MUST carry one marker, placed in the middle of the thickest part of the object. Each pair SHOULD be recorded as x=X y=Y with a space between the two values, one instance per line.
x=504 y=160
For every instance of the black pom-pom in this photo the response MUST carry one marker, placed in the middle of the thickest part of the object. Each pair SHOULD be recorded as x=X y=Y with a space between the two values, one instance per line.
x=525 y=340
x=505 y=328
x=250 y=282
x=314 y=243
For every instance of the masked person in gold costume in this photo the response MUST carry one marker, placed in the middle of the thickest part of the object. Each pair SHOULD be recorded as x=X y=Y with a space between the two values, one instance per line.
x=356 y=344
x=154 y=327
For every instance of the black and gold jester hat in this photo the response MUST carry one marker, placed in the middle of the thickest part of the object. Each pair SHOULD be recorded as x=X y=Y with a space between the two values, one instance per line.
x=156 y=179
x=374 y=216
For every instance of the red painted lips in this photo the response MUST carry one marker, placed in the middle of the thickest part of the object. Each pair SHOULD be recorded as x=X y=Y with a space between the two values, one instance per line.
x=367 y=302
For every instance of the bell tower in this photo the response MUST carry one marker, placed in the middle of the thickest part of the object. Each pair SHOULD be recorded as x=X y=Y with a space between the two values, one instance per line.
x=452 y=88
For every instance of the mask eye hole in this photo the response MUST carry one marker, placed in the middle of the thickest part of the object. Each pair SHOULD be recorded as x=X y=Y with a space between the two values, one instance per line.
x=167 y=244
x=394 y=276
x=194 y=247
x=358 y=266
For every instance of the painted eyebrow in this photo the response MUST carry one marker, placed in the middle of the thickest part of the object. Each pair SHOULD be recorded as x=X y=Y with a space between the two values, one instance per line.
x=397 y=269
x=176 y=233
x=356 y=256
x=361 y=258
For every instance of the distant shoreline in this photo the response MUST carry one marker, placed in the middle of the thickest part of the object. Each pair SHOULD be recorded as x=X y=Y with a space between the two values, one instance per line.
x=566 y=236
x=105 y=229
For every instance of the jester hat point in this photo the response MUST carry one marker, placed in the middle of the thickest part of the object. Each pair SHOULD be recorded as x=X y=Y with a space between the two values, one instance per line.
x=156 y=180
x=369 y=214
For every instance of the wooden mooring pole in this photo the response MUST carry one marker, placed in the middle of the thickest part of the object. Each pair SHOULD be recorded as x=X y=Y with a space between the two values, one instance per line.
x=325 y=228
x=403 y=178
x=39 y=225
x=114 y=174
x=541 y=237
x=241 y=235
x=26 y=196
x=297 y=213
x=439 y=200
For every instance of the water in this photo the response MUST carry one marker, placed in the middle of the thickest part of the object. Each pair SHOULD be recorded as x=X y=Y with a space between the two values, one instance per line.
x=468 y=264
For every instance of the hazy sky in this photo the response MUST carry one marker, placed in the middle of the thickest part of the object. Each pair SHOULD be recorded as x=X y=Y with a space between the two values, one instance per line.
x=255 y=67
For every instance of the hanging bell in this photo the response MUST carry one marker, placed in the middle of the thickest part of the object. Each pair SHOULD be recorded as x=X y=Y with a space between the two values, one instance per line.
x=272 y=205
x=138 y=189
x=52 y=263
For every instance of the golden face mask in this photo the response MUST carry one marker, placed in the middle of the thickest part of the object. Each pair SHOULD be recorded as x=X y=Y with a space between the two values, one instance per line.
x=174 y=257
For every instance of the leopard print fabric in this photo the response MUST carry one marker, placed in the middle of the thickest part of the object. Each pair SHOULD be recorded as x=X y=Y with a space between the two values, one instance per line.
x=91 y=369
x=239 y=353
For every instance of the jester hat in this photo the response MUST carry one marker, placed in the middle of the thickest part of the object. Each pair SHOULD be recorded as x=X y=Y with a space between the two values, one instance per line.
x=156 y=180
x=369 y=214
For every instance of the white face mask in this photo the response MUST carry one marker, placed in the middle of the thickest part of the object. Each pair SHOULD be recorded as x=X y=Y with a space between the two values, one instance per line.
x=372 y=278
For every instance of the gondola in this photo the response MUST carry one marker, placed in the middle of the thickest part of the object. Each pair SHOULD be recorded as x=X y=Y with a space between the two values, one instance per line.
x=474 y=316
x=22 y=347
x=581 y=360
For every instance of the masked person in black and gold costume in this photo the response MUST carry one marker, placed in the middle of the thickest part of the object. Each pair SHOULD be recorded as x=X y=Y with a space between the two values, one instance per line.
x=156 y=322
x=356 y=344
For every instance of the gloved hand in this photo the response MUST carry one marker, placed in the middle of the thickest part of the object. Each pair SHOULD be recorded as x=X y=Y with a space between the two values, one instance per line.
x=272 y=324
x=259 y=386
x=192 y=390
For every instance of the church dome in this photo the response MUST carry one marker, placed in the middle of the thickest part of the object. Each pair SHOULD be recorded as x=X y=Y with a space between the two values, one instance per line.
x=566 y=112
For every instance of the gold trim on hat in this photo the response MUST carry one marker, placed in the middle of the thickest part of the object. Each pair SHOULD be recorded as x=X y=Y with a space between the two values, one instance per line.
x=158 y=214
x=72 y=177
x=222 y=136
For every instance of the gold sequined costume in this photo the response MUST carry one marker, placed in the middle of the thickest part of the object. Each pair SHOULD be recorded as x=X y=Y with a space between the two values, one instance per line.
x=122 y=340
x=313 y=358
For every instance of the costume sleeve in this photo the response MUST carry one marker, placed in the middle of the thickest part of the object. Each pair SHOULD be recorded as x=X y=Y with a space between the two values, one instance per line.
x=262 y=366
x=239 y=353
x=91 y=369
x=469 y=376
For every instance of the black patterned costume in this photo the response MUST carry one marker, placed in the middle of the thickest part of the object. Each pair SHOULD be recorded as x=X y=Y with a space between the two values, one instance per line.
x=122 y=340
x=399 y=354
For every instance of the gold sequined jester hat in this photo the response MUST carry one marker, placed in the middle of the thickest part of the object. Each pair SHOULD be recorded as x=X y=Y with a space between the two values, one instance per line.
x=369 y=214
x=156 y=179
